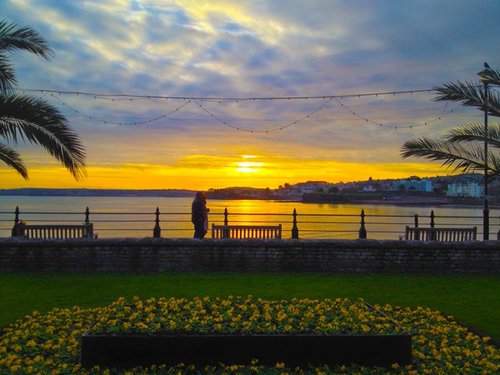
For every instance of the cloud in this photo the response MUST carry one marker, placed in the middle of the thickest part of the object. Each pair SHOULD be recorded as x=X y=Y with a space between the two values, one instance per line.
x=255 y=49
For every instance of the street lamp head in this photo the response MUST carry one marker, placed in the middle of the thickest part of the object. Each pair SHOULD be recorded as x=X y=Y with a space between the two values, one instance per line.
x=486 y=75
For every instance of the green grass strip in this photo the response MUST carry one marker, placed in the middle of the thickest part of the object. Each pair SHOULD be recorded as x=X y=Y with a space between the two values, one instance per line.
x=472 y=300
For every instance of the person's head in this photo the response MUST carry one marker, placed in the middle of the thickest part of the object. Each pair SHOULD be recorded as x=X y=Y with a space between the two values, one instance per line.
x=201 y=196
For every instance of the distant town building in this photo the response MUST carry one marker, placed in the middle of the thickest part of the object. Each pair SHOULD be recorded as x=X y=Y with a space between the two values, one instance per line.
x=414 y=185
x=312 y=186
x=465 y=190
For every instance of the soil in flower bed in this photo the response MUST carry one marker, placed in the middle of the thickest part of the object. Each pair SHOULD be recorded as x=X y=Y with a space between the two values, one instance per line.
x=128 y=351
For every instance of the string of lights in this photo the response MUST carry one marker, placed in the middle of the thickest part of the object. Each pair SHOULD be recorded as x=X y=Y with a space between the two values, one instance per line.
x=356 y=114
x=198 y=100
x=149 y=121
x=279 y=128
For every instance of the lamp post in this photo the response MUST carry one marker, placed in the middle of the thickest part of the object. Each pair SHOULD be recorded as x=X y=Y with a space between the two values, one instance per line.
x=485 y=76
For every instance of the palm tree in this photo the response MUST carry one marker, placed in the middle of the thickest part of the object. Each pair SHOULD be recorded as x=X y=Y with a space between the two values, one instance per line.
x=25 y=118
x=463 y=147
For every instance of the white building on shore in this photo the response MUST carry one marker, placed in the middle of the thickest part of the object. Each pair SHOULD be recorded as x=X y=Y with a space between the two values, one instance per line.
x=465 y=190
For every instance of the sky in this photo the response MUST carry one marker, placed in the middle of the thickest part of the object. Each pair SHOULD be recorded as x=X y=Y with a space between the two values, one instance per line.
x=211 y=94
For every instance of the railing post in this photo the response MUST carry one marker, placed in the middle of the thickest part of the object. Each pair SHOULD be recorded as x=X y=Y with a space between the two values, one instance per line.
x=87 y=216
x=417 y=232
x=362 y=229
x=15 y=232
x=433 y=234
x=295 y=229
x=157 y=229
x=225 y=216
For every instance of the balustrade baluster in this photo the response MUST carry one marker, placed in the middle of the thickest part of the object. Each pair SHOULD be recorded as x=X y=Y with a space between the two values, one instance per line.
x=362 y=229
x=157 y=229
x=433 y=234
x=295 y=229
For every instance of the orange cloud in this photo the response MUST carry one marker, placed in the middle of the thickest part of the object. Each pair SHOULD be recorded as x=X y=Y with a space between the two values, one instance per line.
x=204 y=172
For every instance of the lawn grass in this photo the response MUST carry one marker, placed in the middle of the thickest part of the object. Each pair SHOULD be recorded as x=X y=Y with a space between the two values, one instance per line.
x=472 y=300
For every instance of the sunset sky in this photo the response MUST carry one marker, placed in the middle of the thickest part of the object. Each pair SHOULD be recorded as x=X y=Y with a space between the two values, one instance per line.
x=178 y=73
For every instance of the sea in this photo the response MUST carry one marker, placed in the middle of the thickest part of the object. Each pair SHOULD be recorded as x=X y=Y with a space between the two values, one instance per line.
x=135 y=216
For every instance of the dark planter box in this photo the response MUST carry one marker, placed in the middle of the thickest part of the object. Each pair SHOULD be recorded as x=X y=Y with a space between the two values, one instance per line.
x=126 y=351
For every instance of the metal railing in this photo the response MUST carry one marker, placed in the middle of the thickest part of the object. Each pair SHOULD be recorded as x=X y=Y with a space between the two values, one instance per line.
x=295 y=225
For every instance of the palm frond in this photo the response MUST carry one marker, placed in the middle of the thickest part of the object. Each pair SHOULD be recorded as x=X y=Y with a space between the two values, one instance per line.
x=7 y=74
x=466 y=159
x=493 y=76
x=470 y=94
x=36 y=121
x=13 y=37
x=493 y=103
x=474 y=132
x=13 y=160
x=467 y=92
x=494 y=163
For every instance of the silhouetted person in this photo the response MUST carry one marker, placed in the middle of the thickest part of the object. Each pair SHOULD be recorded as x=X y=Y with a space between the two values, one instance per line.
x=199 y=215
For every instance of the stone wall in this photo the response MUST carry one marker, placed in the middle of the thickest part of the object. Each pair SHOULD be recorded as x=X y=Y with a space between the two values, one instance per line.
x=188 y=255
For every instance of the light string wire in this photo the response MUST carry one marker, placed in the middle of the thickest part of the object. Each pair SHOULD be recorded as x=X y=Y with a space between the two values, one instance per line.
x=216 y=98
x=267 y=131
x=94 y=118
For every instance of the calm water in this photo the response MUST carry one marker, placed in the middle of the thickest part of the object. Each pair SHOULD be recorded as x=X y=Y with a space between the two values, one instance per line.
x=134 y=216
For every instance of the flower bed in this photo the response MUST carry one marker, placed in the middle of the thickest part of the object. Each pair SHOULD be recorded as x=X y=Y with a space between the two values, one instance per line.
x=243 y=316
x=50 y=343
x=236 y=330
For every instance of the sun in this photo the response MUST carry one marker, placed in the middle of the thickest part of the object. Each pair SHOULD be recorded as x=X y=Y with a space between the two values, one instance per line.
x=248 y=166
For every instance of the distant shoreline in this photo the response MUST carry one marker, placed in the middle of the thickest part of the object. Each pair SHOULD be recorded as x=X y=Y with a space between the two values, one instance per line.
x=183 y=193
x=416 y=202
x=42 y=192
x=425 y=203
